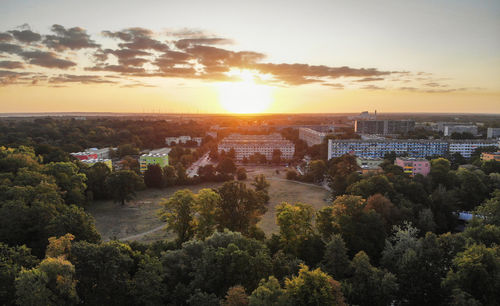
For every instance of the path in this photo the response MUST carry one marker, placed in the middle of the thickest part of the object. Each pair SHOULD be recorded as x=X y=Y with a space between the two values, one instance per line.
x=136 y=236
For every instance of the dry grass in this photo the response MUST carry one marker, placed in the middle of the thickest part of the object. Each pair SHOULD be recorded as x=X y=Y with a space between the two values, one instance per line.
x=140 y=215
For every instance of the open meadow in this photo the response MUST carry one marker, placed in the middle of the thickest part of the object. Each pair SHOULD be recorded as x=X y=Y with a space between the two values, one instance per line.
x=138 y=219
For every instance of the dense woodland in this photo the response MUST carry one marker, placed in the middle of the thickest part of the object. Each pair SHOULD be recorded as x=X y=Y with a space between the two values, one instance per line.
x=385 y=239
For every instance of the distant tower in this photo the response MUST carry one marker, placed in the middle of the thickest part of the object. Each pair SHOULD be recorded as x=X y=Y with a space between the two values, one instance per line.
x=375 y=114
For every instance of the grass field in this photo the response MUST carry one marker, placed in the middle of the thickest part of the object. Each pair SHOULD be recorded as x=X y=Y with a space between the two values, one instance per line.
x=140 y=215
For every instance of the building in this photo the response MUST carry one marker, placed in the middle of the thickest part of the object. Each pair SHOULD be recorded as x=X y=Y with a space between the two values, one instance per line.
x=182 y=140
x=410 y=147
x=84 y=155
x=369 y=162
x=379 y=148
x=493 y=132
x=384 y=127
x=91 y=162
x=247 y=145
x=93 y=153
x=154 y=157
x=464 y=128
x=491 y=156
x=414 y=166
x=311 y=137
x=467 y=147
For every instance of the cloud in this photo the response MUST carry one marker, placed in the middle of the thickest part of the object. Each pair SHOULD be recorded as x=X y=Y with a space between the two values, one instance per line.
x=137 y=39
x=83 y=79
x=46 y=59
x=434 y=84
x=372 y=87
x=73 y=38
x=26 y=36
x=118 y=68
x=334 y=85
x=185 y=43
x=5 y=36
x=187 y=33
x=10 y=48
x=370 y=79
x=10 y=77
x=11 y=65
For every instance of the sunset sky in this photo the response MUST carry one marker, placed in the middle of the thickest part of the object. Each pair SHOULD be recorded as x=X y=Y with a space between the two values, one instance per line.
x=250 y=56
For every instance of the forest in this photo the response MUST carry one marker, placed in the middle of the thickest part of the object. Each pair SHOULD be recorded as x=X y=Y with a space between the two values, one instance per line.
x=384 y=239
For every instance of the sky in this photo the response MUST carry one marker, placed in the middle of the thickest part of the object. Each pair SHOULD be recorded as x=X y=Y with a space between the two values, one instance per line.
x=250 y=56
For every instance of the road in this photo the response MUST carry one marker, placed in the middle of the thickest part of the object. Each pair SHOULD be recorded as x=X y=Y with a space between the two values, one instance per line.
x=203 y=161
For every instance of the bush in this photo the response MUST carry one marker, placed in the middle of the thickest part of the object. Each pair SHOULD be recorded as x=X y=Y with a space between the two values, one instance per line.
x=241 y=174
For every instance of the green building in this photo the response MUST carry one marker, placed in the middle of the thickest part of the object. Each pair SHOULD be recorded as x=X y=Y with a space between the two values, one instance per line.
x=155 y=157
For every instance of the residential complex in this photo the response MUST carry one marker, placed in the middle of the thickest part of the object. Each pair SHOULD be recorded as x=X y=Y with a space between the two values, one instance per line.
x=491 y=156
x=311 y=137
x=247 y=145
x=93 y=153
x=464 y=128
x=154 y=157
x=182 y=140
x=384 y=127
x=91 y=162
x=369 y=165
x=414 y=166
x=409 y=147
x=493 y=132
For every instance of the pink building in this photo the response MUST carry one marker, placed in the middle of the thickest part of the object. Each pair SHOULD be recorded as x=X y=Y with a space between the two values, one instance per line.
x=414 y=166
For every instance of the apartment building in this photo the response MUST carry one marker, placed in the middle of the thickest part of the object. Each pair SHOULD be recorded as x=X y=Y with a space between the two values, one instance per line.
x=383 y=127
x=414 y=166
x=493 y=132
x=490 y=156
x=154 y=157
x=247 y=145
x=311 y=137
x=411 y=148
x=93 y=153
x=464 y=128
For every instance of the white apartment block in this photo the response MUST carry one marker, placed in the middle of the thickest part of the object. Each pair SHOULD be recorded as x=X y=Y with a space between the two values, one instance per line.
x=311 y=137
x=493 y=132
x=467 y=147
x=466 y=128
x=182 y=139
x=247 y=145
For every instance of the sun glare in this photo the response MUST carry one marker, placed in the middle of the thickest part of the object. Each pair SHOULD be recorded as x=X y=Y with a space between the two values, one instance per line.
x=245 y=96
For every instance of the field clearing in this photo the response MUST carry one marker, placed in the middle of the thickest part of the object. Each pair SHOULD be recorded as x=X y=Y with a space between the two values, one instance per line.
x=139 y=216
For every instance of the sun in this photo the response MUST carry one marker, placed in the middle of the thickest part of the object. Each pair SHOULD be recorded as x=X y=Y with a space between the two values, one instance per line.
x=245 y=96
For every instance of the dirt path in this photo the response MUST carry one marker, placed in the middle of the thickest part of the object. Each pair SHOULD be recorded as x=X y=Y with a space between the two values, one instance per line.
x=136 y=236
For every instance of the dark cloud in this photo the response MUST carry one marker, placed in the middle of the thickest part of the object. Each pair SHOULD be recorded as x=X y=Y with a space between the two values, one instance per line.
x=5 y=36
x=26 y=36
x=369 y=79
x=118 y=68
x=409 y=88
x=372 y=87
x=185 y=43
x=73 y=38
x=434 y=84
x=11 y=65
x=46 y=59
x=83 y=79
x=10 y=48
x=137 y=39
x=334 y=85
x=11 y=77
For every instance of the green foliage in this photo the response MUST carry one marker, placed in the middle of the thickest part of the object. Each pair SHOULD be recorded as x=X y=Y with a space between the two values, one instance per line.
x=226 y=166
x=295 y=223
x=269 y=293
x=71 y=182
x=316 y=170
x=241 y=174
x=313 y=288
x=178 y=212
x=123 y=184
x=236 y=296
x=96 y=181
x=335 y=260
x=153 y=177
x=207 y=208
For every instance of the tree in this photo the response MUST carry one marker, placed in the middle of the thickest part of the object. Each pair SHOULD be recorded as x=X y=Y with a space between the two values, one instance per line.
x=370 y=186
x=291 y=175
x=127 y=149
x=169 y=176
x=236 y=296
x=241 y=208
x=316 y=170
x=476 y=271
x=370 y=285
x=241 y=174
x=71 y=182
x=122 y=185
x=178 y=212
x=295 y=223
x=153 y=176
x=339 y=169
x=313 y=288
x=226 y=166
x=384 y=207
x=269 y=293
x=276 y=157
x=260 y=183
x=335 y=260
x=147 y=286
x=207 y=203
x=207 y=173
x=96 y=181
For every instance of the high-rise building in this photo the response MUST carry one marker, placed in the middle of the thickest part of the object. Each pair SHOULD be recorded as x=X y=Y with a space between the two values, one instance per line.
x=464 y=128
x=384 y=127
x=493 y=132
